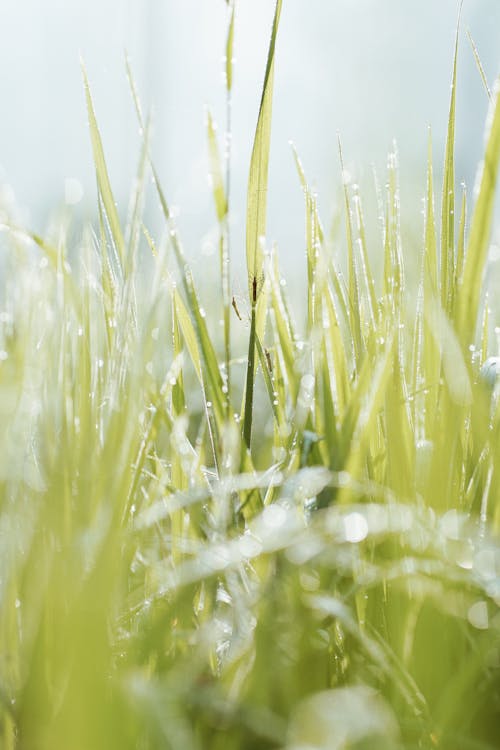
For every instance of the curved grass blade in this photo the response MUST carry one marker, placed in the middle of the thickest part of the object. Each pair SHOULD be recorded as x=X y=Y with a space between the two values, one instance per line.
x=256 y=216
x=229 y=51
x=259 y=167
x=479 y=65
x=448 y=196
x=103 y=182
x=213 y=380
x=469 y=290
x=219 y=193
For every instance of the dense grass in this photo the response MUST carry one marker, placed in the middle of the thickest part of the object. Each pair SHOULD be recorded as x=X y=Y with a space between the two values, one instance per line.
x=189 y=561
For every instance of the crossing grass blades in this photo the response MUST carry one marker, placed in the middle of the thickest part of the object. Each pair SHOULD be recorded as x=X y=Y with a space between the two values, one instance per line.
x=302 y=552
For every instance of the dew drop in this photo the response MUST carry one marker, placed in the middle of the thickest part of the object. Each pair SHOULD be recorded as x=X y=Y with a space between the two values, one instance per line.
x=355 y=527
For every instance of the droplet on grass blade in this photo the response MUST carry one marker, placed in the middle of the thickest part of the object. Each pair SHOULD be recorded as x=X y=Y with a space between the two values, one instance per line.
x=452 y=524
x=274 y=516
x=478 y=615
x=490 y=372
x=486 y=564
x=355 y=528
x=341 y=718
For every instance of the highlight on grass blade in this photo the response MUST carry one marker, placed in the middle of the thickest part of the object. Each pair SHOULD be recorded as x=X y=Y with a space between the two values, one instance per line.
x=256 y=216
x=103 y=181
x=259 y=167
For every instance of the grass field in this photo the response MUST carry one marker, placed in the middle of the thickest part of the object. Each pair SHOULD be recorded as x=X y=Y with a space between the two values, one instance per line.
x=292 y=547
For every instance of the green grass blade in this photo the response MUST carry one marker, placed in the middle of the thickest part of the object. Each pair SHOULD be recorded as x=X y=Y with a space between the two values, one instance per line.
x=448 y=196
x=430 y=247
x=477 y=247
x=103 y=181
x=479 y=65
x=259 y=167
x=218 y=190
x=229 y=49
x=256 y=217
x=352 y=273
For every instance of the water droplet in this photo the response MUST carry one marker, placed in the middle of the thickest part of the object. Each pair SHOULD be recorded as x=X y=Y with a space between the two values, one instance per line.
x=478 y=615
x=249 y=545
x=485 y=563
x=309 y=580
x=355 y=527
x=346 y=176
x=452 y=523
x=307 y=382
x=274 y=516
x=73 y=191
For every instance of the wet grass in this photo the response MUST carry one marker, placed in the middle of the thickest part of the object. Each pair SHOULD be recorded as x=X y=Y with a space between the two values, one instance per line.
x=303 y=557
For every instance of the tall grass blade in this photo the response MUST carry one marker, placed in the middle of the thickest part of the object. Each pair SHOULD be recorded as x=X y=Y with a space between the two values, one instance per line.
x=448 y=195
x=259 y=167
x=103 y=182
x=469 y=290
x=256 y=216
x=479 y=65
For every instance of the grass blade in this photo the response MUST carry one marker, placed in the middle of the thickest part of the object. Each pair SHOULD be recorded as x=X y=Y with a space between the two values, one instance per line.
x=256 y=216
x=259 y=167
x=103 y=181
x=469 y=290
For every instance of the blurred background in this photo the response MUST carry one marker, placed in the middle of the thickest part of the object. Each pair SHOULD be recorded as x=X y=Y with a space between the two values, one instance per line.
x=370 y=71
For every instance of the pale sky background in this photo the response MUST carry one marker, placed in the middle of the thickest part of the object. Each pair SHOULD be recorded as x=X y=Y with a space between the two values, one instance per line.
x=370 y=70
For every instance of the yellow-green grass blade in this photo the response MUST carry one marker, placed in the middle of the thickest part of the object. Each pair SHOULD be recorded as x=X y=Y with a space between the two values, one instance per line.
x=352 y=272
x=178 y=394
x=283 y=336
x=222 y=209
x=461 y=238
x=229 y=48
x=365 y=266
x=213 y=380
x=134 y=224
x=430 y=243
x=367 y=397
x=448 y=197
x=398 y=435
x=250 y=379
x=183 y=320
x=469 y=290
x=103 y=181
x=479 y=65
x=215 y=172
x=337 y=354
x=265 y=364
x=259 y=167
x=256 y=219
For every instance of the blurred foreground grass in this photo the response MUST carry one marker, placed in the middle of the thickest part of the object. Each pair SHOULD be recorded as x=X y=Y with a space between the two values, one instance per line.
x=191 y=562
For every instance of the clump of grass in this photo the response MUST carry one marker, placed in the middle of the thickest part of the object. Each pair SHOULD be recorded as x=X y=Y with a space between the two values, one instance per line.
x=175 y=577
